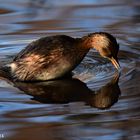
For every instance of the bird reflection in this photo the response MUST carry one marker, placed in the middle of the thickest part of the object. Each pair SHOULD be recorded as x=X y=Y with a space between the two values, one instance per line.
x=72 y=90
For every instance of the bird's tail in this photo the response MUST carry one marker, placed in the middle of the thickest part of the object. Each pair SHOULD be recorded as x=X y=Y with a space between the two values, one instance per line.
x=5 y=73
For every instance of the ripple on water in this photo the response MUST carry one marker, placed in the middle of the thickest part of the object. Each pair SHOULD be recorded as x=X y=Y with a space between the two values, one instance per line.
x=97 y=107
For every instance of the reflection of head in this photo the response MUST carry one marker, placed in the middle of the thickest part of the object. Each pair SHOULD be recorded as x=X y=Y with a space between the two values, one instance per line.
x=107 y=95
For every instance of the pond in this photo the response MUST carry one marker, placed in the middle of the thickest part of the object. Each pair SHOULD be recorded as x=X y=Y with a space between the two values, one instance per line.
x=97 y=103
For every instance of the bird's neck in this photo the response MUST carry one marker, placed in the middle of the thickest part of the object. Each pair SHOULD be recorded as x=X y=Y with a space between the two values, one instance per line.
x=95 y=40
x=84 y=43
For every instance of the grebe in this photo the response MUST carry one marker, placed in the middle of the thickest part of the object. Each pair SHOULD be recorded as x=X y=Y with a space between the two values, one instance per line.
x=53 y=57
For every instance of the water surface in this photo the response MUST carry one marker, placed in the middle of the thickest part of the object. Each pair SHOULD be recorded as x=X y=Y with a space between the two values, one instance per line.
x=97 y=103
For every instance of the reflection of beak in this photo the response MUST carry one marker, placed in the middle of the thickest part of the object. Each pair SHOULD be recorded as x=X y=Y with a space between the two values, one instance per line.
x=115 y=63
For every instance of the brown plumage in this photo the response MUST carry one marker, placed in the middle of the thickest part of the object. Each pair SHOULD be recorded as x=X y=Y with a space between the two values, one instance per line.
x=55 y=56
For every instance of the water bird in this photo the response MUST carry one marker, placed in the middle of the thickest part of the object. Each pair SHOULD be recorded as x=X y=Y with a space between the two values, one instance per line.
x=56 y=56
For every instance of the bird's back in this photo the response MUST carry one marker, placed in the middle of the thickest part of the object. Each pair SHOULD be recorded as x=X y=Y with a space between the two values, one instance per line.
x=45 y=45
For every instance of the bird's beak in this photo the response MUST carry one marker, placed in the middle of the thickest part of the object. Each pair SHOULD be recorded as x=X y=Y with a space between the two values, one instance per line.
x=115 y=63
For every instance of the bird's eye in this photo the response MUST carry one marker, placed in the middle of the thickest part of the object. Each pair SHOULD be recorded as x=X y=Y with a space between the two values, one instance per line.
x=109 y=56
x=106 y=53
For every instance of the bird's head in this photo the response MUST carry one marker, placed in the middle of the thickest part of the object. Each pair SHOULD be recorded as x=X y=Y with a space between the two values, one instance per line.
x=106 y=45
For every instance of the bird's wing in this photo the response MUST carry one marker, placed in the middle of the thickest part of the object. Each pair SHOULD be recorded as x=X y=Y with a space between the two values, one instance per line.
x=46 y=46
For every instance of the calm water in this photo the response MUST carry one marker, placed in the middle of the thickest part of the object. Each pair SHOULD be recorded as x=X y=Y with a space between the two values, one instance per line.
x=98 y=104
